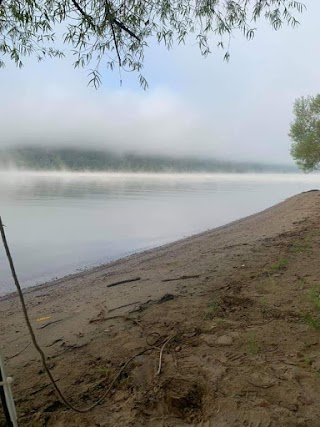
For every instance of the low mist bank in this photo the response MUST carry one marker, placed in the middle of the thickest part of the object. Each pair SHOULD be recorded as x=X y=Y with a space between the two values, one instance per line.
x=74 y=159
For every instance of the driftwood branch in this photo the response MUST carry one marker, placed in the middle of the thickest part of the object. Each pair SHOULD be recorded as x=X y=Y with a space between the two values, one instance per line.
x=121 y=282
x=123 y=306
x=104 y=319
x=181 y=278
x=141 y=307
x=161 y=353
x=20 y=352
x=50 y=323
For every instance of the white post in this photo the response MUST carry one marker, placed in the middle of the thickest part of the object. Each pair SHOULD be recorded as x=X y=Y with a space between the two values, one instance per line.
x=6 y=381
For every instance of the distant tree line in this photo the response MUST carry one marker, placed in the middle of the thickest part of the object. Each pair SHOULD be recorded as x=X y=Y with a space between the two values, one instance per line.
x=75 y=159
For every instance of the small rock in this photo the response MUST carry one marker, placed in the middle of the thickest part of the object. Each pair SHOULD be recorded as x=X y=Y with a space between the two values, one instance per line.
x=234 y=334
x=178 y=348
x=261 y=380
x=222 y=358
x=39 y=421
x=210 y=340
x=224 y=340
x=263 y=403
x=37 y=416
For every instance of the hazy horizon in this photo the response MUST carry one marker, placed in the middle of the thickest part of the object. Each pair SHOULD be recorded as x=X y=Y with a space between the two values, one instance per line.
x=94 y=159
x=122 y=151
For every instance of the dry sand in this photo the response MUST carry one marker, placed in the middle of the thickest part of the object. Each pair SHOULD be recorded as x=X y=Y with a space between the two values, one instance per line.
x=240 y=304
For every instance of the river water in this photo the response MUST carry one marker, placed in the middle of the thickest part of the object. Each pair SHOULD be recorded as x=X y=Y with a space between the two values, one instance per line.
x=60 y=223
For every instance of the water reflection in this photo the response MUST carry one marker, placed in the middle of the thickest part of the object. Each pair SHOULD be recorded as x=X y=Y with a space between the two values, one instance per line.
x=57 y=223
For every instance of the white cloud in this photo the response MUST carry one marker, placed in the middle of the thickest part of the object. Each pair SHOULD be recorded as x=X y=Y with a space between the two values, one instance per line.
x=157 y=121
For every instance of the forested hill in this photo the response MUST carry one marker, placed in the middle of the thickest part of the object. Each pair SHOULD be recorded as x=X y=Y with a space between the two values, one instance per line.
x=74 y=159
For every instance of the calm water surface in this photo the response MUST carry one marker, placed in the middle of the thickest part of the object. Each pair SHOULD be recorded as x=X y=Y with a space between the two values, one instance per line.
x=58 y=223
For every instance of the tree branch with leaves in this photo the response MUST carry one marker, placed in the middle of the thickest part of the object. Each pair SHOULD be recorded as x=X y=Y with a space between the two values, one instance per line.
x=305 y=133
x=115 y=33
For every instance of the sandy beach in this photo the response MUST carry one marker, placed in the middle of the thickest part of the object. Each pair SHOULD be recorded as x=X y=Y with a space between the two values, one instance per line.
x=229 y=320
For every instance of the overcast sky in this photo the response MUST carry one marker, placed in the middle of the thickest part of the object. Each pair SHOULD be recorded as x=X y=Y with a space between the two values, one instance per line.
x=239 y=110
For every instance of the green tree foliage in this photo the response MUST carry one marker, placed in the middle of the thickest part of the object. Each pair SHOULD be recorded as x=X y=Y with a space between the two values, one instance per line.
x=305 y=133
x=115 y=33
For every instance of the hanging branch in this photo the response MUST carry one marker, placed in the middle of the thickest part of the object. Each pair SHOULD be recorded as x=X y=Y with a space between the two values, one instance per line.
x=110 y=18
x=115 y=42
